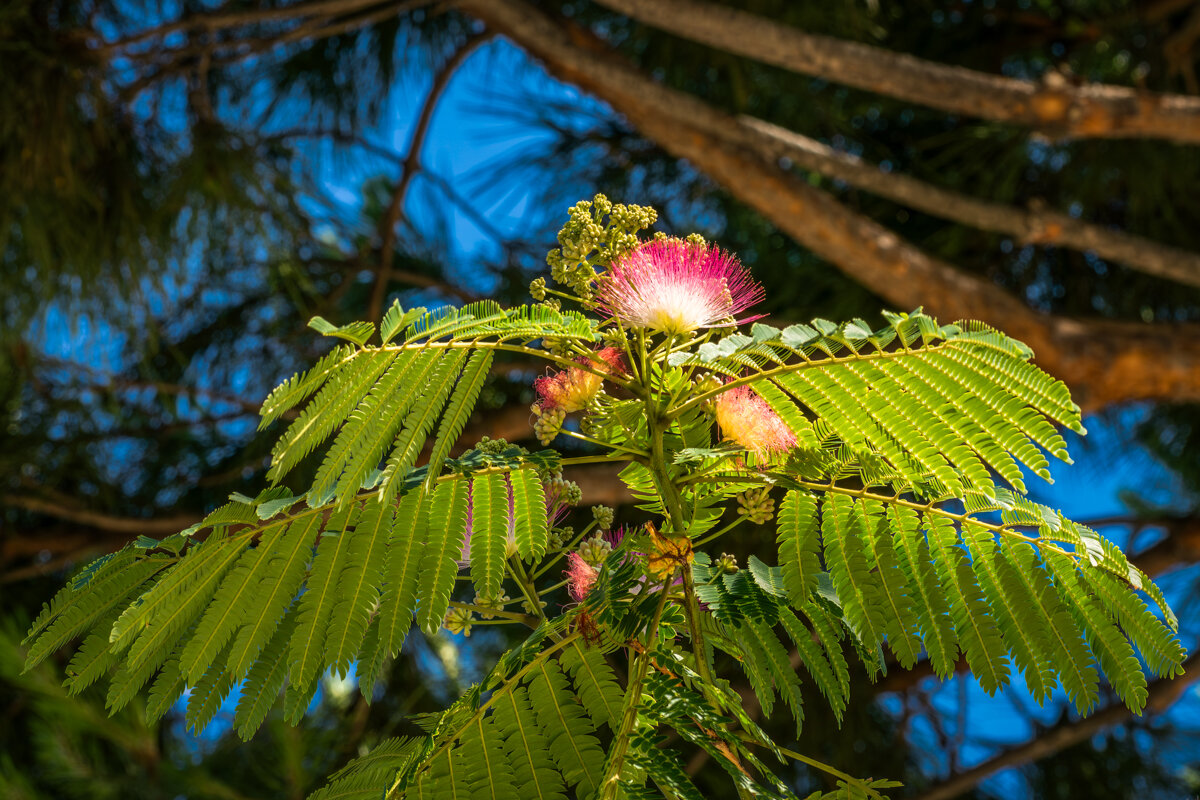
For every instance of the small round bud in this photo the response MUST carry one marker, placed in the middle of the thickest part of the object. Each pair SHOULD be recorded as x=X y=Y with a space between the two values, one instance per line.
x=757 y=505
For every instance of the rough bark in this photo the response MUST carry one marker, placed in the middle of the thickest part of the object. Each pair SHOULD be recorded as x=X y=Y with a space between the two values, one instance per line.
x=1104 y=362
x=1054 y=105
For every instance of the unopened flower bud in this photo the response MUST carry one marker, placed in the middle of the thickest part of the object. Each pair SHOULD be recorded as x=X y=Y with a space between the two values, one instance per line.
x=757 y=505
x=595 y=550
x=603 y=516
x=548 y=423
x=458 y=620
x=725 y=564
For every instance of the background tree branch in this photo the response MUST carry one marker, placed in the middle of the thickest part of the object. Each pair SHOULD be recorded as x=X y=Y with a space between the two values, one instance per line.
x=412 y=165
x=1055 y=105
x=1033 y=225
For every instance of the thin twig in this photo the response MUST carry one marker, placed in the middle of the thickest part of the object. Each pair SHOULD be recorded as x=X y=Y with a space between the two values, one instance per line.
x=412 y=160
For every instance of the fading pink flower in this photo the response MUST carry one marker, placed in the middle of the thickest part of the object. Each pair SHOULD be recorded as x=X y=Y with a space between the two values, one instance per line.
x=581 y=577
x=748 y=420
x=573 y=388
x=612 y=359
x=674 y=286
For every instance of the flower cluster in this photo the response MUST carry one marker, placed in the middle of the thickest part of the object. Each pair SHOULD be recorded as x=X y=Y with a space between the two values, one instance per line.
x=597 y=231
x=745 y=418
x=674 y=286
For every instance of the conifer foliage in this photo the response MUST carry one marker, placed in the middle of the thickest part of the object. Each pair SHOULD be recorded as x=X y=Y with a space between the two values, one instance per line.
x=892 y=460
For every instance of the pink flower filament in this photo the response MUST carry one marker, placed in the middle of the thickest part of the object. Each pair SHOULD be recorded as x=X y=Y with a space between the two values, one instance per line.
x=675 y=287
x=744 y=417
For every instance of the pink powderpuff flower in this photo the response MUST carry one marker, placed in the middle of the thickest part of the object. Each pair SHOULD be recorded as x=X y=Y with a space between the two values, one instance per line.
x=674 y=286
x=581 y=577
x=745 y=417
x=573 y=388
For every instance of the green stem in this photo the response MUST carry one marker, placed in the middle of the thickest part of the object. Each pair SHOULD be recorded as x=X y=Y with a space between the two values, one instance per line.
x=610 y=783
x=511 y=616
x=674 y=504
x=527 y=587
x=563 y=295
x=604 y=458
x=583 y=437
x=558 y=585
x=699 y=647
x=722 y=531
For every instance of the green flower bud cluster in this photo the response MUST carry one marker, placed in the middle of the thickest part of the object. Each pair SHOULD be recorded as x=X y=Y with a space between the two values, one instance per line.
x=571 y=493
x=594 y=550
x=537 y=289
x=558 y=537
x=691 y=238
x=492 y=446
x=704 y=384
x=548 y=423
x=558 y=346
x=458 y=620
x=528 y=606
x=496 y=603
x=614 y=337
x=725 y=564
x=757 y=505
x=588 y=240
x=603 y=516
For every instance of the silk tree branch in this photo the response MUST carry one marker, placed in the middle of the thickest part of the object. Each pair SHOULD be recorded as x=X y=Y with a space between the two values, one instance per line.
x=1163 y=694
x=1052 y=105
x=1106 y=362
x=1031 y=225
